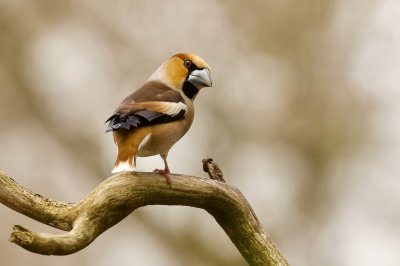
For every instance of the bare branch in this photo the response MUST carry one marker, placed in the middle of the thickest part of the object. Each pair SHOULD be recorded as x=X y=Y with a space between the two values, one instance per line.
x=118 y=196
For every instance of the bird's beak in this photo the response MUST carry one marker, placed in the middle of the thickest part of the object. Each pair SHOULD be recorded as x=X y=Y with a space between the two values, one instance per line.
x=200 y=78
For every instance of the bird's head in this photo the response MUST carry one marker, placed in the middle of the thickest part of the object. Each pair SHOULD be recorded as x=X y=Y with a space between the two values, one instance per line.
x=184 y=72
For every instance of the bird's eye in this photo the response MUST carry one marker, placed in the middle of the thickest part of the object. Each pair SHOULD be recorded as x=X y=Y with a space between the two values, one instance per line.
x=187 y=63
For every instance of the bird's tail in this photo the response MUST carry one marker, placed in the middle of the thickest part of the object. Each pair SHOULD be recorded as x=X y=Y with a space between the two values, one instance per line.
x=128 y=143
x=125 y=162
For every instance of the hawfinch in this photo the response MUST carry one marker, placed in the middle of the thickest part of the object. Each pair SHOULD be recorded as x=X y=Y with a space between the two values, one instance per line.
x=153 y=118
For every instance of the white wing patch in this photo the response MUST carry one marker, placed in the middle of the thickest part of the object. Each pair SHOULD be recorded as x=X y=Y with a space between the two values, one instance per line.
x=172 y=109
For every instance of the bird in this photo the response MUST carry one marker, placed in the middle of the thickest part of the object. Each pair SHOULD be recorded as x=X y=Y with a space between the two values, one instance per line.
x=153 y=118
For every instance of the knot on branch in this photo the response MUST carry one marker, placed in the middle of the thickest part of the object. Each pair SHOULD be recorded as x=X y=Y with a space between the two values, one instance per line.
x=213 y=170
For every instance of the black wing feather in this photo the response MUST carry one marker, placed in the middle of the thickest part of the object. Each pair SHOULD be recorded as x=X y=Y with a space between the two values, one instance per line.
x=140 y=118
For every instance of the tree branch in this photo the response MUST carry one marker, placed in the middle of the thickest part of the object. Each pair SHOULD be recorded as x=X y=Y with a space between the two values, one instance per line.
x=118 y=196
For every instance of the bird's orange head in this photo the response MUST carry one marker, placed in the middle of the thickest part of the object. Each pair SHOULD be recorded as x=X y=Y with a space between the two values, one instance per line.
x=184 y=72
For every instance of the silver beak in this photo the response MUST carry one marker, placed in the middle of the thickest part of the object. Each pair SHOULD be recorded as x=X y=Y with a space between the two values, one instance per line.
x=200 y=78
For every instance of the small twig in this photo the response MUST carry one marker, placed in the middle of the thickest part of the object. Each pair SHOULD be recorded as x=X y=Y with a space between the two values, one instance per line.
x=213 y=170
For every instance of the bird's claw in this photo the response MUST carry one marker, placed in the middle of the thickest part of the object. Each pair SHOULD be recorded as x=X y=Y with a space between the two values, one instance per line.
x=165 y=173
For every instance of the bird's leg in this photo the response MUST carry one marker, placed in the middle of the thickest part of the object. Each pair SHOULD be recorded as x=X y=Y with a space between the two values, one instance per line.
x=166 y=171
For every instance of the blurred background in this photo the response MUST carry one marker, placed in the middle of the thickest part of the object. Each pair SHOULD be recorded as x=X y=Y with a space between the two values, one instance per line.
x=303 y=118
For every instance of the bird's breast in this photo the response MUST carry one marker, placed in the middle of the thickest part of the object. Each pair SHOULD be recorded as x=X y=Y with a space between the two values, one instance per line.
x=163 y=136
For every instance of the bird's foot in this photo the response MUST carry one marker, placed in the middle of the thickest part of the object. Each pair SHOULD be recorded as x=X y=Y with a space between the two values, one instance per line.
x=165 y=173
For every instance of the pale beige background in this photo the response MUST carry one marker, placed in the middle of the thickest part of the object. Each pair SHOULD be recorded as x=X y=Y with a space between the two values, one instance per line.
x=303 y=118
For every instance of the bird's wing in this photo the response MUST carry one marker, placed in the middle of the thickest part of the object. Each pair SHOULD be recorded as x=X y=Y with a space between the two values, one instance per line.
x=153 y=103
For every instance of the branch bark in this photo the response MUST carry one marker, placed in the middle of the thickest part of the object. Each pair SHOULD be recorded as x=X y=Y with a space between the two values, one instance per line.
x=118 y=196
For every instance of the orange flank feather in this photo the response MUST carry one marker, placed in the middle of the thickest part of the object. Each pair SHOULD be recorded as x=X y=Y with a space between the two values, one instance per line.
x=128 y=143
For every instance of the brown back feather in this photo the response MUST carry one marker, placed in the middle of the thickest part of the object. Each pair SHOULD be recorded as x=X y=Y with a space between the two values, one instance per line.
x=150 y=91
